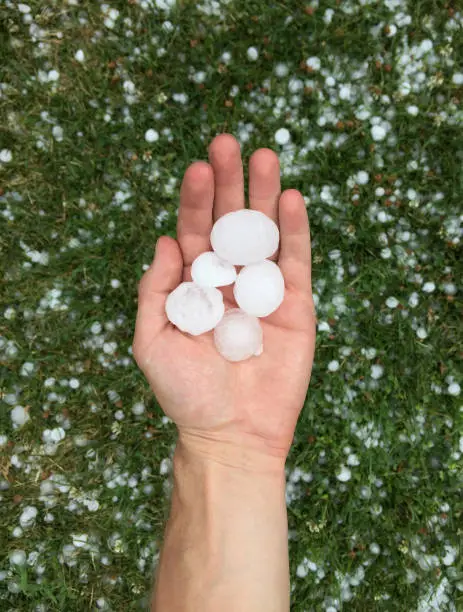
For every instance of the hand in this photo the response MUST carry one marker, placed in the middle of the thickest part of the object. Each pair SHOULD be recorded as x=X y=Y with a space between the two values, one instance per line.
x=248 y=408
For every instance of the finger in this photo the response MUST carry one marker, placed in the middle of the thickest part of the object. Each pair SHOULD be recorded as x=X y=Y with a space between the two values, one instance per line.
x=162 y=277
x=294 y=260
x=195 y=213
x=225 y=157
x=264 y=182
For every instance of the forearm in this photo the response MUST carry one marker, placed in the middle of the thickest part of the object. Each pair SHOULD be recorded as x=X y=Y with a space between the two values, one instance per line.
x=226 y=542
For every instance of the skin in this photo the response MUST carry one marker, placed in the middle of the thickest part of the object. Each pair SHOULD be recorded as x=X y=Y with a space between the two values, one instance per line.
x=235 y=420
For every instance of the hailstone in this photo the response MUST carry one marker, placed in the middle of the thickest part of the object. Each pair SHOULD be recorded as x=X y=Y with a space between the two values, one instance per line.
x=238 y=336
x=259 y=289
x=194 y=309
x=208 y=270
x=244 y=237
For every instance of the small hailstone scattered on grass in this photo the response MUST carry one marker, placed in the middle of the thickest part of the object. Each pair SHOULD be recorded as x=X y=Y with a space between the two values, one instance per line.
x=413 y=110
x=392 y=302
x=282 y=136
x=194 y=309
x=353 y=460
x=238 y=336
x=24 y=8
x=344 y=475
x=363 y=177
x=454 y=389
x=314 y=63
x=252 y=54
x=96 y=328
x=79 y=540
x=6 y=156
x=328 y=16
x=115 y=283
x=138 y=408
x=421 y=333
x=28 y=516
x=151 y=135
x=209 y=270
x=281 y=70
x=58 y=133
x=429 y=287
x=53 y=436
x=378 y=133
x=457 y=78
x=74 y=383
x=3 y=440
x=259 y=288
x=53 y=75
x=413 y=300
x=244 y=237
x=17 y=557
x=377 y=371
x=19 y=416
x=79 y=56
x=333 y=366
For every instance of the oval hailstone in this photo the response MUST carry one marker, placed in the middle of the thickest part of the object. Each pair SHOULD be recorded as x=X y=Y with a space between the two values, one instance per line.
x=238 y=336
x=194 y=309
x=244 y=237
x=260 y=288
x=209 y=270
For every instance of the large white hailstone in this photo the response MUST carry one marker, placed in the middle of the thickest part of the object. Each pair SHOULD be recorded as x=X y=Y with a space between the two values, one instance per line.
x=238 y=336
x=194 y=309
x=244 y=237
x=19 y=416
x=209 y=270
x=260 y=288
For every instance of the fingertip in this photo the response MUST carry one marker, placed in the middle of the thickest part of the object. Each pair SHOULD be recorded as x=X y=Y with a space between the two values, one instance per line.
x=167 y=247
x=223 y=148
x=197 y=175
x=293 y=211
x=264 y=162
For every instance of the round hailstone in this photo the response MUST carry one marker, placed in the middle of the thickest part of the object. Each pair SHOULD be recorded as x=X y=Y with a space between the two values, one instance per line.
x=208 y=270
x=19 y=416
x=378 y=133
x=151 y=135
x=17 y=557
x=260 y=288
x=238 y=336
x=282 y=136
x=194 y=309
x=244 y=237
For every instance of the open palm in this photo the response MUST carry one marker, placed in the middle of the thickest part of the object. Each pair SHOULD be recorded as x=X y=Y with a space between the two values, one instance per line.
x=256 y=401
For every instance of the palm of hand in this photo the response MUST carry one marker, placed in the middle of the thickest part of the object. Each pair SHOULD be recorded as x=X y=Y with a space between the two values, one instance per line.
x=258 y=399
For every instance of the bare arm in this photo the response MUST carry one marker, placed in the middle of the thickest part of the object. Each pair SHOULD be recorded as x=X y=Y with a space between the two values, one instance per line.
x=226 y=540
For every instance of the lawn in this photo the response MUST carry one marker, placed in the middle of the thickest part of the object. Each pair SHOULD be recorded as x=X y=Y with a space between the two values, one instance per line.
x=102 y=108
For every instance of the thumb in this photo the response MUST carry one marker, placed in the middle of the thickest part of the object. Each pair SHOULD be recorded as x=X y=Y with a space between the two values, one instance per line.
x=162 y=277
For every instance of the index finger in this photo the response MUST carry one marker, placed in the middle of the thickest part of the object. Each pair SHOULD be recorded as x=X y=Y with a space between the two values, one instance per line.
x=194 y=223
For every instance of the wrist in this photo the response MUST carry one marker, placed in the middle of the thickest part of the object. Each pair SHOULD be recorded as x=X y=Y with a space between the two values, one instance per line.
x=241 y=453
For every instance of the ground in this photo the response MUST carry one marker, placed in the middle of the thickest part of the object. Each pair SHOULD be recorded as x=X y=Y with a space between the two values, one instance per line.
x=102 y=107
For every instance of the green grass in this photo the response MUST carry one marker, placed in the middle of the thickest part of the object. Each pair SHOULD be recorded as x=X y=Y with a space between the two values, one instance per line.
x=59 y=191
